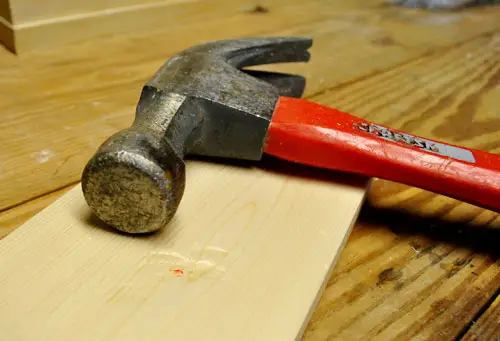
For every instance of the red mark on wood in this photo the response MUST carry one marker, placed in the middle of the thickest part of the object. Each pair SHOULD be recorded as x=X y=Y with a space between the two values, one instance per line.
x=177 y=271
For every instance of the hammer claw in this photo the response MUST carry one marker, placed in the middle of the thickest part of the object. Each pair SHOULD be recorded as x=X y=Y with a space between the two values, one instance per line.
x=258 y=51
x=287 y=84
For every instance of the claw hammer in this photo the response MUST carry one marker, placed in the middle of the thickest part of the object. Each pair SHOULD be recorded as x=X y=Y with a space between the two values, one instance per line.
x=202 y=102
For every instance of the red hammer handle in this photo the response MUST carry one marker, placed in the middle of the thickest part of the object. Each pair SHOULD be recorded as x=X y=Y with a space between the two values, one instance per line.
x=315 y=135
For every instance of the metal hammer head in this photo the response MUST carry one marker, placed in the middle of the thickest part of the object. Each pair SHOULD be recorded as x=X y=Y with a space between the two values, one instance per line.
x=200 y=102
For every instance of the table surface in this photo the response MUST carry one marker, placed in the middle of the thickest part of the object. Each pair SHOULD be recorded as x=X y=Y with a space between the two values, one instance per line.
x=417 y=266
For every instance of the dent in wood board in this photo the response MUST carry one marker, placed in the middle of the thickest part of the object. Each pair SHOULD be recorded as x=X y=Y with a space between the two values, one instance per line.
x=205 y=264
x=201 y=263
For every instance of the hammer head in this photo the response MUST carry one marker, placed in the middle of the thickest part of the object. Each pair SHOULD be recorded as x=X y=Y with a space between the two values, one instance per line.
x=200 y=102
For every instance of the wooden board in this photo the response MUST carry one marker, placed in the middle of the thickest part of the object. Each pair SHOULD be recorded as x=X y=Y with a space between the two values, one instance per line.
x=27 y=25
x=27 y=11
x=246 y=258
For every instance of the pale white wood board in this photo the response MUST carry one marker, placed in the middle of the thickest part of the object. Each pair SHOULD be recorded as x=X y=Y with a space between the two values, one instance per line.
x=64 y=276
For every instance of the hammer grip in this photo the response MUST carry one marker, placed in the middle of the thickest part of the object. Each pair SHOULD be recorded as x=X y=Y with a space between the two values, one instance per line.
x=312 y=134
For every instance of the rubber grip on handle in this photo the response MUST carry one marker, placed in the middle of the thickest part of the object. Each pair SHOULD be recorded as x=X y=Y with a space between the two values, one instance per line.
x=311 y=134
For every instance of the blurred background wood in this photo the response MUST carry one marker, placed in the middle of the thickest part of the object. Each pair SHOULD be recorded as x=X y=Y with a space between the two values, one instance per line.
x=27 y=25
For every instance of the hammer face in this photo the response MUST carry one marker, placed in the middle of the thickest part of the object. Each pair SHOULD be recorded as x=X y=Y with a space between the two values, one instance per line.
x=132 y=184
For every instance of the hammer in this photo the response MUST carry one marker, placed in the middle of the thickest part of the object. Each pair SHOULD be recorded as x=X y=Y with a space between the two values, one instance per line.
x=202 y=102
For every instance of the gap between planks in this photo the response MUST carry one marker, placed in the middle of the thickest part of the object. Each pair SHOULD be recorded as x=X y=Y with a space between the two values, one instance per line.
x=486 y=326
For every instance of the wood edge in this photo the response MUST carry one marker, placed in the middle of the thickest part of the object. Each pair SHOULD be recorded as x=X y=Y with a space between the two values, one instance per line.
x=333 y=265
x=7 y=35
x=13 y=218
x=5 y=10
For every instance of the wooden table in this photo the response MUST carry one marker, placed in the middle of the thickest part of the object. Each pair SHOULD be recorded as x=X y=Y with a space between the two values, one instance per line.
x=418 y=266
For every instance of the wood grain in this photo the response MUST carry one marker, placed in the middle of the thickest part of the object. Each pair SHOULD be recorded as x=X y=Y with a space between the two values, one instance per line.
x=488 y=326
x=419 y=266
x=246 y=258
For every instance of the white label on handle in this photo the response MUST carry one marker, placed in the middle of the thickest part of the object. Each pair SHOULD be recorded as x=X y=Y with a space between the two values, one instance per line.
x=427 y=145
